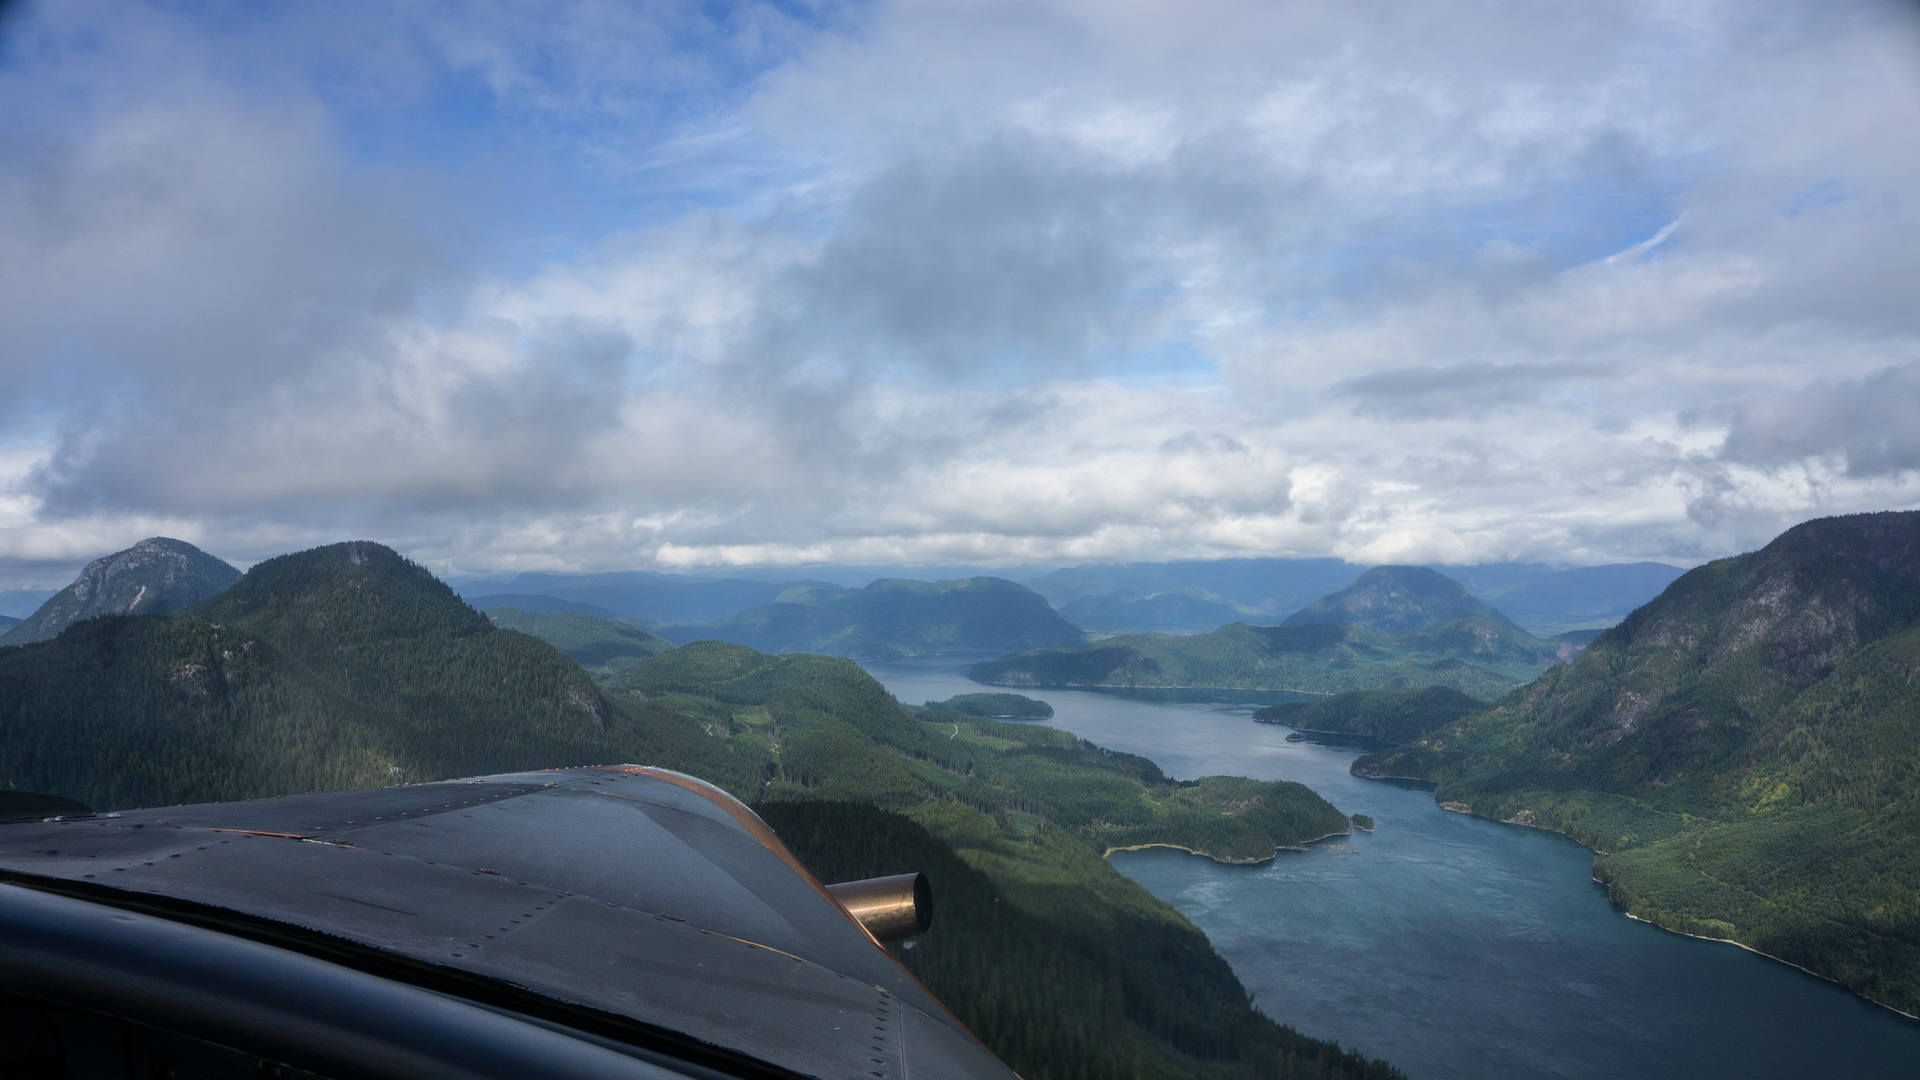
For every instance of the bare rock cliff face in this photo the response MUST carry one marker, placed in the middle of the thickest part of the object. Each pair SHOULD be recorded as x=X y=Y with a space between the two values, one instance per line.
x=154 y=575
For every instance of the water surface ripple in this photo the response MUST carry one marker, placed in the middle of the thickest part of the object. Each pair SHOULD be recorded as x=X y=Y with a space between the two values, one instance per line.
x=1454 y=946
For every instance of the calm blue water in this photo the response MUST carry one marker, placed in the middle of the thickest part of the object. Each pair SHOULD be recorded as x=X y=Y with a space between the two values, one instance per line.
x=1454 y=946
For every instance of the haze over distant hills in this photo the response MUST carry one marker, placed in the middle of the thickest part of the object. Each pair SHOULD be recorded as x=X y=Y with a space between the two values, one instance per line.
x=154 y=575
x=602 y=646
x=17 y=604
x=1274 y=586
x=892 y=617
x=1392 y=626
x=1396 y=599
x=1190 y=596
x=640 y=594
x=1175 y=610
x=1474 y=655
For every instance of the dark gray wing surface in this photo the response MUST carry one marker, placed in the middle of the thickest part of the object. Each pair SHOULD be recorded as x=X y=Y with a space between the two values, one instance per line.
x=627 y=891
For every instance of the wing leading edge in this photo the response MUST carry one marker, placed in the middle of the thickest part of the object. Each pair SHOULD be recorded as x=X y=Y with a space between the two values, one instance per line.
x=636 y=911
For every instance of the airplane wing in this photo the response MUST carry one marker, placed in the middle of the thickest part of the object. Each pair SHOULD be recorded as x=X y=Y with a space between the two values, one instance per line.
x=610 y=921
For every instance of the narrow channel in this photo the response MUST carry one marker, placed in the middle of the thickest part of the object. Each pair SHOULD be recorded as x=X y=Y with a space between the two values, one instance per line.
x=1454 y=946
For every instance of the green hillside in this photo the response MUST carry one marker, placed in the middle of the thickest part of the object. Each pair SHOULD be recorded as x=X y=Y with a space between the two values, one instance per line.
x=891 y=618
x=1474 y=655
x=1395 y=714
x=348 y=666
x=1397 y=599
x=1083 y=965
x=344 y=666
x=602 y=646
x=1744 y=752
x=1094 y=948
x=152 y=576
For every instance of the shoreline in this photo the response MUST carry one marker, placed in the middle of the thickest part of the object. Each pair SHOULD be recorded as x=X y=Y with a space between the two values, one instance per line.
x=1157 y=686
x=1298 y=848
x=1462 y=808
x=1751 y=949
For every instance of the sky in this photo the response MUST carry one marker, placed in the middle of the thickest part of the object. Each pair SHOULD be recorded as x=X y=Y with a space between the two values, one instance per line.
x=590 y=285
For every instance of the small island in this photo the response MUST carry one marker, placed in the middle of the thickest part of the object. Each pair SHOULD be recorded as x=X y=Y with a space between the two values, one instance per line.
x=1362 y=822
x=993 y=706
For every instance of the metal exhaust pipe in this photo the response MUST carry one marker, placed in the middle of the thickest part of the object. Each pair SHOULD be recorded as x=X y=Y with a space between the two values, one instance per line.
x=891 y=908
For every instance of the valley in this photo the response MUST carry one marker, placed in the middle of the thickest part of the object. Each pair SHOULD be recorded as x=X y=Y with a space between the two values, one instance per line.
x=1457 y=947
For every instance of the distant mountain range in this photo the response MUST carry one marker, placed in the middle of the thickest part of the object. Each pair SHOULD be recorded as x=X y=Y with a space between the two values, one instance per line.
x=892 y=618
x=1276 y=587
x=639 y=594
x=1393 y=626
x=1744 y=751
x=1396 y=599
x=1175 y=610
x=602 y=646
x=1189 y=596
x=17 y=604
x=537 y=604
x=7 y=622
x=152 y=576
x=1544 y=600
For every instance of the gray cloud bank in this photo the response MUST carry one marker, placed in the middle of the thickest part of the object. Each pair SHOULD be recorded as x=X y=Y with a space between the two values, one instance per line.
x=943 y=282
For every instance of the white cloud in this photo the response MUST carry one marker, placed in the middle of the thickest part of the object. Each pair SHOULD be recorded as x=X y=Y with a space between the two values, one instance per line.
x=953 y=282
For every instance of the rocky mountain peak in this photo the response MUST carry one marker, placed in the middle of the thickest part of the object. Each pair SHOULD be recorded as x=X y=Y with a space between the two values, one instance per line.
x=158 y=574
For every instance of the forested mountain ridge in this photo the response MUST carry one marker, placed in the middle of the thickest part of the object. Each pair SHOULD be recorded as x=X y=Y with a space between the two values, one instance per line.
x=1396 y=600
x=892 y=617
x=1474 y=655
x=344 y=666
x=1744 y=751
x=155 y=575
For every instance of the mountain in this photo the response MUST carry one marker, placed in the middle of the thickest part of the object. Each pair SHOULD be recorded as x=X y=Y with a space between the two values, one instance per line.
x=17 y=604
x=1396 y=599
x=7 y=622
x=348 y=666
x=1271 y=586
x=642 y=594
x=602 y=646
x=151 y=576
x=1474 y=655
x=1172 y=611
x=892 y=617
x=1743 y=752
x=344 y=666
x=1549 y=602
x=536 y=604
x=1395 y=714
